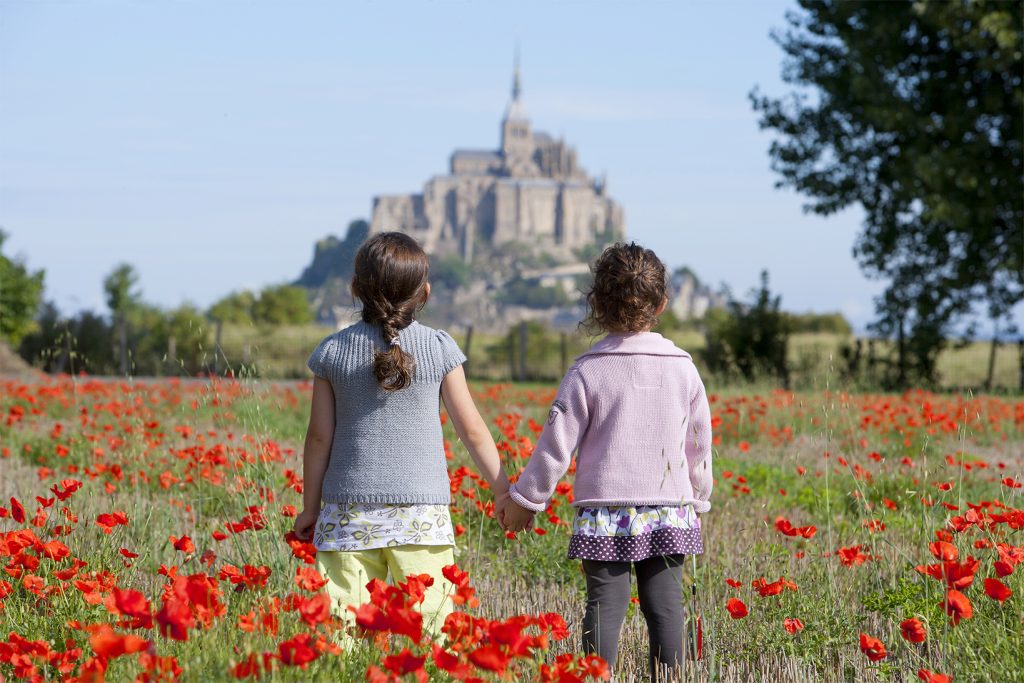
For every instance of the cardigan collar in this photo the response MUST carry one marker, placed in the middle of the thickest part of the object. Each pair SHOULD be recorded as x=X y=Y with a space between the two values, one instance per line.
x=636 y=343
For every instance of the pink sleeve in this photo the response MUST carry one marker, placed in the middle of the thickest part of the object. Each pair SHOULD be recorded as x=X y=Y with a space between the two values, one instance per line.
x=567 y=421
x=698 y=446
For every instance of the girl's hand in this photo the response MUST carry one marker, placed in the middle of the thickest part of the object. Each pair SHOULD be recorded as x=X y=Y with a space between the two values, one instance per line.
x=513 y=516
x=305 y=523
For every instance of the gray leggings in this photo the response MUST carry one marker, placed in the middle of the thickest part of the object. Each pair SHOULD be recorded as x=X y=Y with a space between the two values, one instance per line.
x=660 y=587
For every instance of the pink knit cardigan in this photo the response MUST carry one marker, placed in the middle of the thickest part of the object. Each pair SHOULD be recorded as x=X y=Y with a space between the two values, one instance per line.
x=635 y=409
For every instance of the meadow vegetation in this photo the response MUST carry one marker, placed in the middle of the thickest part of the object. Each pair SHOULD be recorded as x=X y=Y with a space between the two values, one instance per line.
x=852 y=537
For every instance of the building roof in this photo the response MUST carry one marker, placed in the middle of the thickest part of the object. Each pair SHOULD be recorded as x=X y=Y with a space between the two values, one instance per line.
x=482 y=154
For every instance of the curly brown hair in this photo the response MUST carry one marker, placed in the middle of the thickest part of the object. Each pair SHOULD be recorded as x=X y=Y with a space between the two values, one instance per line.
x=390 y=280
x=629 y=287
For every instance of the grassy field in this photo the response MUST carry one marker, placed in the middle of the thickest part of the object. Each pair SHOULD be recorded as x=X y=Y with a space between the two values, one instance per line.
x=874 y=509
x=815 y=359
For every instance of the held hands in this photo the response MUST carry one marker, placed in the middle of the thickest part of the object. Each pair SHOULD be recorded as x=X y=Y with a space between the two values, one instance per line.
x=511 y=515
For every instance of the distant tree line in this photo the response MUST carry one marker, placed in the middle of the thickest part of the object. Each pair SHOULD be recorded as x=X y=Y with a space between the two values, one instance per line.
x=140 y=338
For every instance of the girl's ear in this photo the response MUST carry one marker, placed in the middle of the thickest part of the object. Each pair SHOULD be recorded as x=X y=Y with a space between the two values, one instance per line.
x=426 y=293
x=661 y=308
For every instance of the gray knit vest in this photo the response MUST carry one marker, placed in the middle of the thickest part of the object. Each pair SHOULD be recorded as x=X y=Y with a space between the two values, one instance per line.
x=387 y=446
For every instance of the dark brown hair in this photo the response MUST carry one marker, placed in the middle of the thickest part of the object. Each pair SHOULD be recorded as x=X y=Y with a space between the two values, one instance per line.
x=629 y=286
x=390 y=280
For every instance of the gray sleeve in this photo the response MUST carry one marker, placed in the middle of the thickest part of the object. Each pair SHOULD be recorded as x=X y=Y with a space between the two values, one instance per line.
x=319 y=360
x=451 y=355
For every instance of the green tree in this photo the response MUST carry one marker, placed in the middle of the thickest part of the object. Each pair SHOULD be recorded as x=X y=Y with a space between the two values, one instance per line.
x=450 y=272
x=121 y=290
x=283 y=305
x=124 y=299
x=20 y=295
x=530 y=293
x=187 y=327
x=913 y=111
x=749 y=339
x=236 y=307
x=71 y=345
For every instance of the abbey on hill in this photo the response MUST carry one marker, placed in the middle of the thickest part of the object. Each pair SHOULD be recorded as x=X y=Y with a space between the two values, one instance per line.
x=531 y=191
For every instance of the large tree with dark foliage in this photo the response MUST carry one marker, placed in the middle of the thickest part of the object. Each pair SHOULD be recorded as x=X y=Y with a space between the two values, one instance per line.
x=912 y=110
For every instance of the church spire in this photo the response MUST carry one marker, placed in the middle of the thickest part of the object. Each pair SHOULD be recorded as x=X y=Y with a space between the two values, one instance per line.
x=516 y=86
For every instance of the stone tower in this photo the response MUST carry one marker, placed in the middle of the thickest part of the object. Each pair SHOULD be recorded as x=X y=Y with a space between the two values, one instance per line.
x=531 y=192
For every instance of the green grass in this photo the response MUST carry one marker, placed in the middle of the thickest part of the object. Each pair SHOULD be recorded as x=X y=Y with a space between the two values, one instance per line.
x=235 y=441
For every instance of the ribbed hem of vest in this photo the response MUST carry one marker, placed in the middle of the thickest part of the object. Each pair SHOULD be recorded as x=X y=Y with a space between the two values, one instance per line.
x=391 y=499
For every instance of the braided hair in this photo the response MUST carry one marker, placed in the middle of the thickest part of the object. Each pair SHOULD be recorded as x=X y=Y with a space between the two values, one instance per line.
x=390 y=280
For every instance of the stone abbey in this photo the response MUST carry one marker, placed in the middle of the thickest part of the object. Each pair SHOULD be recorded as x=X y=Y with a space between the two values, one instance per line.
x=531 y=192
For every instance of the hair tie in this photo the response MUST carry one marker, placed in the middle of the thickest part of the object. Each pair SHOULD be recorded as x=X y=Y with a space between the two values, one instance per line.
x=394 y=340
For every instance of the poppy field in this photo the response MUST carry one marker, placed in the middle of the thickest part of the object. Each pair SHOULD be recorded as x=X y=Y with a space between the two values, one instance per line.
x=144 y=535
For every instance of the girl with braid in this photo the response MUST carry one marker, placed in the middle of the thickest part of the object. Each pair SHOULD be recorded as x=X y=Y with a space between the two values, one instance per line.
x=376 y=487
x=634 y=411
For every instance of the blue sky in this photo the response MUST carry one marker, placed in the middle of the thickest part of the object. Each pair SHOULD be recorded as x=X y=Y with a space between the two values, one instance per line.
x=211 y=144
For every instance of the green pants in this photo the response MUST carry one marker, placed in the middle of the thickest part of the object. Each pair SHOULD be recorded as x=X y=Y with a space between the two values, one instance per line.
x=348 y=572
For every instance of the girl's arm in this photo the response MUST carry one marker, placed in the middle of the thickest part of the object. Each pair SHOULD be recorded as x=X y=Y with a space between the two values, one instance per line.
x=315 y=455
x=567 y=422
x=472 y=429
x=698 y=448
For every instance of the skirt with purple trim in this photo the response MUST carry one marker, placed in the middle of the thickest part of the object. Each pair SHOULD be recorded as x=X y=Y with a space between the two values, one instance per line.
x=634 y=533
x=664 y=541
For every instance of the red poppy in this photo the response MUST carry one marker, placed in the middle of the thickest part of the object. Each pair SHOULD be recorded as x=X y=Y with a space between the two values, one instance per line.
x=404 y=662
x=852 y=556
x=785 y=527
x=17 y=510
x=913 y=630
x=933 y=677
x=872 y=647
x=946 y=552
x=175 y=619
x=1011 y=483
x=957 y=606
x=490 y=658
x=736 y=608
x=309 y=579
x=297 y=651
x=66 y=488
x=792 y=625
x=733 y=583
x=765 y=589
x=184 y=544
x=132 y=603
x=997 y=590
x=108 y=520
x=109 y=644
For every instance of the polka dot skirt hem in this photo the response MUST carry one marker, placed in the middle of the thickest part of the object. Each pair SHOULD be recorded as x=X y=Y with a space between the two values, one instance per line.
x=635 y=548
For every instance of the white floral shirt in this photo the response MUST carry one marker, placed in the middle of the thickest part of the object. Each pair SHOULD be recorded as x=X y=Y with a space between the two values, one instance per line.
x=633 y=521
x=365 y=526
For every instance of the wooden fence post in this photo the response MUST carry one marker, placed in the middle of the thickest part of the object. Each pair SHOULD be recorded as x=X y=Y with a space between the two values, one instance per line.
x=564 y=348
x=468 y=347
x=992 y=360
x=511 y=353
x=217 y=348
x=523 y=332
x=123 y=325
x=172 y=350
x=1020 y=349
